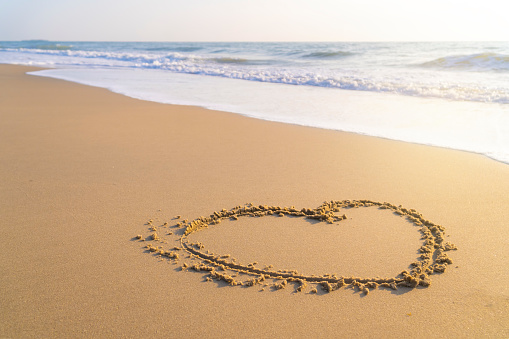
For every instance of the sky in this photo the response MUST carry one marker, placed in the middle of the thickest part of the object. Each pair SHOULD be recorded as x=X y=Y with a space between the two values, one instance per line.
x=254 y=20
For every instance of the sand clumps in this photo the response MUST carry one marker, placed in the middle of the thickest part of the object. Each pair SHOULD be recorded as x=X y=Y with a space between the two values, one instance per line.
x=432 y=259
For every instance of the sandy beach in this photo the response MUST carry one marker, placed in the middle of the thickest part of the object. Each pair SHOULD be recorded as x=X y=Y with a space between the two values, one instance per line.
x=83 y=171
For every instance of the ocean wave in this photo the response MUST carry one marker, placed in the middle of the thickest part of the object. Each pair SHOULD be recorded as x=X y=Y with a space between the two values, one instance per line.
x=54 y=47
x=226 y=60
x=172 y=49
x=137 y=59
x=187 y=49
x=471 y=62
x=241 y=61
x=155 y=49
x=269 y=71
x=44 y=45
x=328 y=55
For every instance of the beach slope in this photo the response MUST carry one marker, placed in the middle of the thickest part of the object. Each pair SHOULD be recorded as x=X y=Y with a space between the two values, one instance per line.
x=83 y=170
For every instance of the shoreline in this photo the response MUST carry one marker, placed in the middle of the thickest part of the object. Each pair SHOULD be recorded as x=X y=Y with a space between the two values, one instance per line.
x=84 y=169
x=393 y=107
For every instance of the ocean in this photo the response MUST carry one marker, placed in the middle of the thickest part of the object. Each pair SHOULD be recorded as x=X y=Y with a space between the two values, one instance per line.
x=447 y=94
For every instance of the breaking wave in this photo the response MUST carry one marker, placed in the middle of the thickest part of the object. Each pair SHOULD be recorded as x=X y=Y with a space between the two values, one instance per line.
x=276 y=71
x=328 y=55
x=472 y=62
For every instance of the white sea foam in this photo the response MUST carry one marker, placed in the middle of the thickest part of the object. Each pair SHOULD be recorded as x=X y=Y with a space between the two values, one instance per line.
x=390 y=80
x=452 y=95
x=469 y=126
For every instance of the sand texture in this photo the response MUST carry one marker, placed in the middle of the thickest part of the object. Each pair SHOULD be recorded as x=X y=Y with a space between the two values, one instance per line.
x=126 y=218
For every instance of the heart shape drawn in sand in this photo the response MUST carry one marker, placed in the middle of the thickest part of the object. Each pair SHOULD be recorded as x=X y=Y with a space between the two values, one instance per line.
x=432 y=259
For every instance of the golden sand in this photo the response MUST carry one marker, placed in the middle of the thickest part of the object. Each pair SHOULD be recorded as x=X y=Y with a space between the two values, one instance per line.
x=82 y=169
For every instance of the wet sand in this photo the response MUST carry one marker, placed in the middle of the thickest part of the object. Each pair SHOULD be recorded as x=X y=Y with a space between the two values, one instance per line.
x=83 y=171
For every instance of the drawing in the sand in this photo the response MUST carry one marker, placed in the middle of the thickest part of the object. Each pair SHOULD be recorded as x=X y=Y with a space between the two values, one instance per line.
x=222 y=267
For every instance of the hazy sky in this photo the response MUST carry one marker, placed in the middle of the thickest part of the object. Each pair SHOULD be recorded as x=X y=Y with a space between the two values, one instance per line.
x=254 y=20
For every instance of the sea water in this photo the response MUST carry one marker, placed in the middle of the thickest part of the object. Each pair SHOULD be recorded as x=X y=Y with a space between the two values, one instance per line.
x=447 y=94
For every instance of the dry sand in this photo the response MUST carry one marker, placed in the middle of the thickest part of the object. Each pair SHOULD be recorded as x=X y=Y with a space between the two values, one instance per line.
x=82 y=170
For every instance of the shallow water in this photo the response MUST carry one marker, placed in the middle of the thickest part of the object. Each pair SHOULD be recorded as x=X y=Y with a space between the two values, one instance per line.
x=453 y=95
